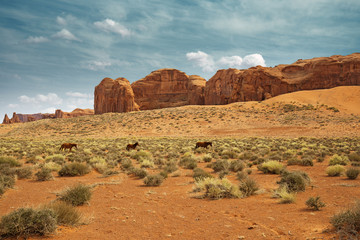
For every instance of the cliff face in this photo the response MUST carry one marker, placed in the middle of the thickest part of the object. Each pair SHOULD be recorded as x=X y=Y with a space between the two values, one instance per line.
x=168 y=88
x=259 y=83
x=75 y=113
x=114 y=96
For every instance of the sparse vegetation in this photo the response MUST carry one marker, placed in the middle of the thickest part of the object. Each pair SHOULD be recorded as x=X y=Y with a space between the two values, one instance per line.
x=315 y=203
x=352 y=173
x=74 y=169
x=77 y=195
x=347 y=222
x=153 y=180
x=273 y=167
x=334 y=171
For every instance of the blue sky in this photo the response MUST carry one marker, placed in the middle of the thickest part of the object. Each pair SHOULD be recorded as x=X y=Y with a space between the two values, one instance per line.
x=54 y=53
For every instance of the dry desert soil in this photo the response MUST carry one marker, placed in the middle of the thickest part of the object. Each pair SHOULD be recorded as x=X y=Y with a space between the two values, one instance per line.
x=122 y=207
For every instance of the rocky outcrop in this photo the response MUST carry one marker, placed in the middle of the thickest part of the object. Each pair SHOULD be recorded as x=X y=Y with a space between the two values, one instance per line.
x=259 y=83
x=75 y=113
x=168 y=88
x=114 y=96
x=6 y=120
x=15 y=118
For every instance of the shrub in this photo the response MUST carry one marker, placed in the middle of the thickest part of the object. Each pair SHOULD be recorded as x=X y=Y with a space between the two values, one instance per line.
x=11 y=161
x=66 y=214
x=294 y=181
x=6 y=181
x=153 y=180
x=354 y=157
x=220 y=165
x=315 y=203
x=352 y=173
x=307 y=162
x=142 y=155
x=44 y=174
x=273 y=167
x=241 y=176
x=188 y=161
x=217 y=188
x=139 y=172
x=24 y=172
x=126 y=164
x=53 y=166
x=147 y=163
x=334 y=171
x=200 y=173
x=347 y=223
x=170 y=167
x=77 y=195
x=248 y=186
x=56 y=158
x=207 y=157
x=237 y=165
x=74 y=169
x=338 y=160
x=226 y=154
x=25 y=222
x=100 y=167
x=285 y=195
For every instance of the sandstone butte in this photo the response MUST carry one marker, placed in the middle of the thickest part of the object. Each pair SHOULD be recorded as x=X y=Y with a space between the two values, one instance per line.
x=75 y=113
x=259 y=83
x=114 y=96
x=168 y=88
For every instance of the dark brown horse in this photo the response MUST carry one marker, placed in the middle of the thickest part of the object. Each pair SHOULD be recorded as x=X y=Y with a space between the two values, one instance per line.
x=132 y=146
x=203 y=144
x=68 y=146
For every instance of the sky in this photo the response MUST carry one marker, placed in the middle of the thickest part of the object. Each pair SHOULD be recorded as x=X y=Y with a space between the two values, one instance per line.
x=54 y=53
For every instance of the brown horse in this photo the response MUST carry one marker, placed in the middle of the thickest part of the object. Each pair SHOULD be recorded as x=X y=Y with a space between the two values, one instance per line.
x=203 y=144
x=132 y=146
x=68 y=146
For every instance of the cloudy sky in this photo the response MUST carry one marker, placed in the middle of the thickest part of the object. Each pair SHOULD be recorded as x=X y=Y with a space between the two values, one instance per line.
x=53 y=53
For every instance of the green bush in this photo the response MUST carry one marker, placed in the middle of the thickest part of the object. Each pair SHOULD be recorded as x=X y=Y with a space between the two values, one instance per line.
x=352 y=173
x=66 y=214
x=24 y=172
x=273 y=167
x=126 y=164
x=294 y=181
x=139 y=172
x=207 y=157
x=347 y=223
x=354 y=157
x=248 y=187
x=74 y=169
x=153 y=180
x=25 y=222
x=56 y=158
x=241 y=175
x=338 y=160
x=77 y=195
x=200 y=173
x=7 y=181
x=44 y=174
x=11 y=161
x=334 y=171
x=220 y=165
x=237 y=166
x=285 y=195
x=170 y=167
x=315 y=203
x=217 y=188
x=188 y=161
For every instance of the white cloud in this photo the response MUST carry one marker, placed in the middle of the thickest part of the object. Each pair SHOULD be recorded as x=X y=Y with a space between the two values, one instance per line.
x=208 y=65
x=49 y=110
x=60 y=20
x=13 y=105
x=77 y=94
x=97 y=65
x=65 y=34
x=50 y=98
x=109 y=25
x=40 y=39
x=202 y=59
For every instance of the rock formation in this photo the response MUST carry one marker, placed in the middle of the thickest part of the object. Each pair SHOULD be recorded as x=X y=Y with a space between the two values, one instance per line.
x=114 y=96
x=75 y=113
x=259 y=83
x=6 y=120
x=168 y=88
x=15 y=118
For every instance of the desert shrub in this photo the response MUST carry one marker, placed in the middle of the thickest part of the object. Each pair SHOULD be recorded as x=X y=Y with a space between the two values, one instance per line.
x=334 y=171
x=223 y=173
x=56 y=158
x=248 y=186
x=220 y=165
x=217 y=188
x=273 y=167
x=207 y=158
x=44 y=174
x=188 y=161
x=77 y=195
x=25 y=222
x=11 y=161
x=352 y=173
x=53 y=166
x=315 y=203
x=100 y=167
x=7 y=181
x=226 y=154
x=109 y=172
x=170 y=167
x=285 y=195
x=200 y=173
x=139 y=172
x=338 y=160
x=147 y=163
x=153 y=180
x=294 y=161
x=294 y=181
x=354 y=157
x=142 y=155
x=24 y=172
x=74 y=169
x=126 y=164
x=347 y=222
x=241 y=175
x=66 y=214
x=237 y=165
x=307 y=162
x=97 y=160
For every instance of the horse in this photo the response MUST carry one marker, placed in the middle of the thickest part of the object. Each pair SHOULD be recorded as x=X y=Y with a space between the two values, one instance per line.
x=203 y=144
x=68 y=146
x=132 y=146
